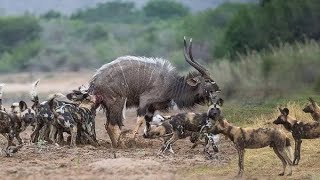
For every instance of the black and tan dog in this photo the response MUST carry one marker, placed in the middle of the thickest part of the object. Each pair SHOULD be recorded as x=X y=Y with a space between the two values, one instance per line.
x=252 y=138
x=314 y=109
x=76 y=119
x=182 y=125
x=300 y=130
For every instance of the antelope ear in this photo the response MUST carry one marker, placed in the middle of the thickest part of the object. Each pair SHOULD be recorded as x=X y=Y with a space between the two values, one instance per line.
x=23 y=106
x=193 y=81
x=285 y=111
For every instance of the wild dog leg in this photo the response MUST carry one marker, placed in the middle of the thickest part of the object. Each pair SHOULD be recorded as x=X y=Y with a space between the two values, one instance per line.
x=297 y=156
x=19 y=139
x=241 y=159
x=52 y=135
x=276 y=151
x=168 y=144
x=35 y=134
x=73 y=131
x=287 y=159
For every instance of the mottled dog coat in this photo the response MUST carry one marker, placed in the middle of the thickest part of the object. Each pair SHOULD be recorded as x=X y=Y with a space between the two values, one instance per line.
x=77 y=119
x=252 y=138
x=179 y=126
x=299 y=129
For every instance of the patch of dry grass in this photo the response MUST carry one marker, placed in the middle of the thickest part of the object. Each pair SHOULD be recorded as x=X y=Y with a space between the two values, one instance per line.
x=263 y=163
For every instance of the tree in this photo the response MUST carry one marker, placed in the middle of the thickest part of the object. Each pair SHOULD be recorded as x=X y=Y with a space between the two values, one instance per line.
x=164 y=9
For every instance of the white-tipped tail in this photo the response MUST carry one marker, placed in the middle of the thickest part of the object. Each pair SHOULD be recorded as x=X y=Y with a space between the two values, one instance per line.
x=55 y=95
x=33 y=92
x=1 y=89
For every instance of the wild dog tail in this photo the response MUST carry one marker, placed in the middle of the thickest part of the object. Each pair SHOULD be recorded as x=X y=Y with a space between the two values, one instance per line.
x=34 y=93
x=288 y=148
x=1 y=92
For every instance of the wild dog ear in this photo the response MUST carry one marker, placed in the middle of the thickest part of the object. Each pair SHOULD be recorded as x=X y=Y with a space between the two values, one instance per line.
x=285 y=111
x=220 y=101
x=193 y=81
x=23 y=106
x=312 y=101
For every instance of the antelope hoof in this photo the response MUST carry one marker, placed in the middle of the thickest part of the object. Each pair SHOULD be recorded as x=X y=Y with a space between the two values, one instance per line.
x=281 y=174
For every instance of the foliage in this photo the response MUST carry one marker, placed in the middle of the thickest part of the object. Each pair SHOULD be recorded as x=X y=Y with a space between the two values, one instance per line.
x=51 y=15
x=272 y=22
x=115 y=12
x=164 y=9
x=15 y=31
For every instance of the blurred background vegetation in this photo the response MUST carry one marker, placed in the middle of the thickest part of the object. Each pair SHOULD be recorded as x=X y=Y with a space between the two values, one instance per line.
x=253 y=48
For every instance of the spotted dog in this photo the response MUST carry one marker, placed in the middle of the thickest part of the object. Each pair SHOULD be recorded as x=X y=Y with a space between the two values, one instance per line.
x=180 y=126
x=299 y=129
x=314 y=109
x=252 y=138
x=6 y=126
x=22 y=118
x=76 y=119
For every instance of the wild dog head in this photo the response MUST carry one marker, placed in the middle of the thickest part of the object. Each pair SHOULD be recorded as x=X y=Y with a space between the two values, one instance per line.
x=27 y=115
x=313 y=109
x=84 y=99
x=284 y=118
x=214 y=111
x=215 y=117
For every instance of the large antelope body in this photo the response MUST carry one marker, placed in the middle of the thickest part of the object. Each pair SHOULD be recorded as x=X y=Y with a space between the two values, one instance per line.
x=150 y=84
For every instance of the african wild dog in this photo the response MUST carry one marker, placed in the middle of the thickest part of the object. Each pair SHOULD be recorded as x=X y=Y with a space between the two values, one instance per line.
x=6 y=127
x=252 y=138
x=48 y=127
x=300 y=130
x=77 y=119
x=314 y=109
x=181 y=126
x=22 y=118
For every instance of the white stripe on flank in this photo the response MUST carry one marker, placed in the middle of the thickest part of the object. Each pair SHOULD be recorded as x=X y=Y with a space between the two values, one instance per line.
x=124 y=77
x=124 y=109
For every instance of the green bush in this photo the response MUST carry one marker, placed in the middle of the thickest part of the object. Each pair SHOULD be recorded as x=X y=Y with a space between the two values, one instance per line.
x=115 y=12
x=15 y=31
x=164 y=9
x=272 y=22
